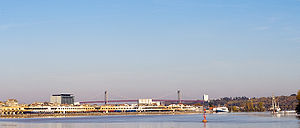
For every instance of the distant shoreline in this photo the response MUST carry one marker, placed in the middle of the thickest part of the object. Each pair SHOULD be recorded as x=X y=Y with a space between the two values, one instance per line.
x=58 y=115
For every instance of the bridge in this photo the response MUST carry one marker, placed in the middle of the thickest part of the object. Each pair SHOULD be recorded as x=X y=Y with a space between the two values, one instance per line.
x=128 y=101
x=178 y=100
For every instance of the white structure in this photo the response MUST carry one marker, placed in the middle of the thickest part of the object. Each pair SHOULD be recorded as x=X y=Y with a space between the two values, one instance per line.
x=11 y=103
x=205 y=98
x=62 y=98
x=221 y=109
x=182 y=107
x=60 y=109
x=145 y=101
x=76 y=103
x=275 y=107
x=148 y=102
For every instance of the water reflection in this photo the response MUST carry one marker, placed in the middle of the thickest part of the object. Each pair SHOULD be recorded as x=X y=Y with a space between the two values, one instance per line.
x=8 y=125
x=231 y=120
x=204 y=125
x=276 y=115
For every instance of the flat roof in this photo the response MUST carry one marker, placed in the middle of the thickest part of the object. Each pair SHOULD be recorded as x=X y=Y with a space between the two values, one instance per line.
x=63 y=94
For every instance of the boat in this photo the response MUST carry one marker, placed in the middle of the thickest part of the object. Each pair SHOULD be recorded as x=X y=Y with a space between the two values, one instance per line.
x=220 y=109
x=275 y=106
x=288 y=112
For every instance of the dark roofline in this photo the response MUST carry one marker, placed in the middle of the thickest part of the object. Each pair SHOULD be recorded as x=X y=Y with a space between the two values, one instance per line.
x=63 y=94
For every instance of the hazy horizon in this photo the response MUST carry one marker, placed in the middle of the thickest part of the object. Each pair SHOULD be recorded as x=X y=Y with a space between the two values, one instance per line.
x=149 y=49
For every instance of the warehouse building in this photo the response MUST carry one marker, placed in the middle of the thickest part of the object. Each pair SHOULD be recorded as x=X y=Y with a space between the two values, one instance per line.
x=63 y=98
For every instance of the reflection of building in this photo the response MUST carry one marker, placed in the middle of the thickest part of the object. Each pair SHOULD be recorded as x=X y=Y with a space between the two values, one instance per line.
x=205 y=97
x=11 y=103
x=62 y=98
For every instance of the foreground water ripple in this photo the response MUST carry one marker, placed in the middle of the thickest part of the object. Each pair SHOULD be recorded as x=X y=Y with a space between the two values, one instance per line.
x=229 y=120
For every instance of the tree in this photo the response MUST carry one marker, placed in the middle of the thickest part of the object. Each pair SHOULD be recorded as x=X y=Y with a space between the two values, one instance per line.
x=298 y=96
x=210 y=104
x=234 y=109
x=298 y=106
x=261 y=106
x=249 y=107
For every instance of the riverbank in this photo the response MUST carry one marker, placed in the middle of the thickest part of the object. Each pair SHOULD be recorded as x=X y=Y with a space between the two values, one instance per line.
x=61 y=115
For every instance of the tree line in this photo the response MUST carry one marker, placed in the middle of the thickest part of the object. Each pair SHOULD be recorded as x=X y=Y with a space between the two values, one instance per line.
x=245 y=104
x=298 y=106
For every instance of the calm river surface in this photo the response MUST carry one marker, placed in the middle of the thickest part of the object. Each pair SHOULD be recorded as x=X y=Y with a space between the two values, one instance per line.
x=229 y=120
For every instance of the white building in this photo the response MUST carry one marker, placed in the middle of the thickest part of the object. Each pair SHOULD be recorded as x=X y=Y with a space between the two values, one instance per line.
x=62 y=98
x=205 y=98
x=145 y=101
x=11 y=103
x=148 y=102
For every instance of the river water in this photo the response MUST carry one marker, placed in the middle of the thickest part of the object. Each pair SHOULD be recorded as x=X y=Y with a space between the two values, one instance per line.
x=228 y=120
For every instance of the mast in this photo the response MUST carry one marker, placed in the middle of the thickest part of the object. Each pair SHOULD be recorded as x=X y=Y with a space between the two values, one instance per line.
x=273 y=104
x=179 y=96
x=105 y=98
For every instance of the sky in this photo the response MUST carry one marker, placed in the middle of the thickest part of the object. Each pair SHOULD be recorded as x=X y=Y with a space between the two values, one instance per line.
x=148 y=49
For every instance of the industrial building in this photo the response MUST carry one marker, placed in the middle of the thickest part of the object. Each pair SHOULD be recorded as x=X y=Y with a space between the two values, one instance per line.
x=63 y=98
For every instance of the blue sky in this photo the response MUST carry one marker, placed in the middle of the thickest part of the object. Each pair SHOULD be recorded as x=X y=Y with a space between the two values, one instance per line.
x=149 y=49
